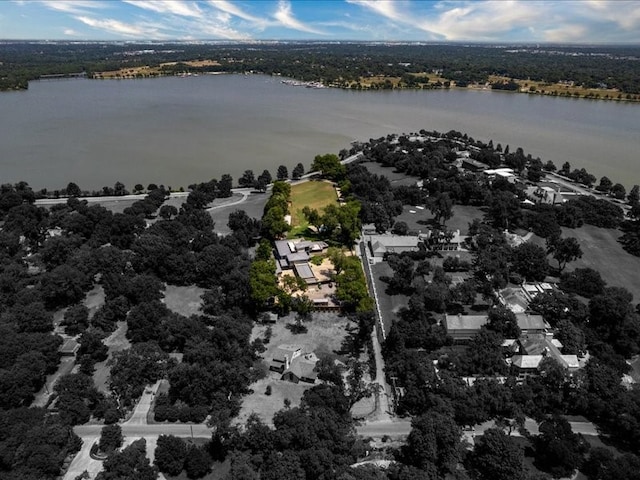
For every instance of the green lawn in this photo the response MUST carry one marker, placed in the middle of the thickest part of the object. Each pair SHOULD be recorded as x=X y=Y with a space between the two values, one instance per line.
x=604 y=253
x=313 y=194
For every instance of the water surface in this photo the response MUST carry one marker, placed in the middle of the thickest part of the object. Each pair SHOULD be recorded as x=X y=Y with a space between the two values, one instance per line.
x=177 y=131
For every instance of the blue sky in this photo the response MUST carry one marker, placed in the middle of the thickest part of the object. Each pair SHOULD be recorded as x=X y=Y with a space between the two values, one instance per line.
x=579 y=21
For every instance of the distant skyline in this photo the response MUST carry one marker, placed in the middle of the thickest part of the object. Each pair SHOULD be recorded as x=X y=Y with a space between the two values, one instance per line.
x=502 y=21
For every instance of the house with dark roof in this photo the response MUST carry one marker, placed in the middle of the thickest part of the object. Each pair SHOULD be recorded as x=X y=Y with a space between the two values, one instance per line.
x=463 y=328
x=283 y=356
x=302 y=369
x=473 y=165
x=69 y=347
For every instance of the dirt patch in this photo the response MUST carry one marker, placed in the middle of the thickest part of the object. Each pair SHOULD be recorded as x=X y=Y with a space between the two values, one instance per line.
x=186 y=301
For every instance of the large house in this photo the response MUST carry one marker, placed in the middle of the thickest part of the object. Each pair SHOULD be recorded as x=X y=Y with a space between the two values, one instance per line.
x=283 y=357
x=463 y=328
x=383 y=244
x=293 y=365
x=295 y=255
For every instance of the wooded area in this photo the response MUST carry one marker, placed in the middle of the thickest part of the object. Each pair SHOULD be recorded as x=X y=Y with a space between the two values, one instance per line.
x=346 y=65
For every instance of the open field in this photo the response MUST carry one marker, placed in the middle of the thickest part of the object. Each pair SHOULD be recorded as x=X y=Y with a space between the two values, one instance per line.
x=396 y=178
x=525 y=86
x=604 y=253
x=561 y=89
x=253 y=205
x=186 y=301
x=313 y=194
x=421 y=218
x=324 y=336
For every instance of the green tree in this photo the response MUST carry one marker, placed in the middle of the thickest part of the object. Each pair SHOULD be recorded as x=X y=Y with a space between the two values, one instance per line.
x=197 y=462
x=170 y=455
x=329 y=166
x=605 y=185
x=298 y=171
x=564 y=250
x=433 y=444
x=130 y=463
x=618 y=191
x=442 y=208
x=634 y=195
x=134 y=368
x=504 y=322
x=262 y=279
x=73 y=190
x=110 y=438
x=167 y=211
x=247 y=179
x=530 y=261
x=283 y=173
x=496 y=456
x=558 y=450
x=76 y=319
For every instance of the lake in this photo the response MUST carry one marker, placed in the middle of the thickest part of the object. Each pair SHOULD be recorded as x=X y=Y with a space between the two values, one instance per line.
x=177 y=131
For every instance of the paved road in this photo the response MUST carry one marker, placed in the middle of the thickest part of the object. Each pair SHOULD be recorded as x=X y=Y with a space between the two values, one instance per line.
x=401 y=428
x=392 y=428
x=245 y=192
x=139 y=416
x=111 y=198
x=65 y=366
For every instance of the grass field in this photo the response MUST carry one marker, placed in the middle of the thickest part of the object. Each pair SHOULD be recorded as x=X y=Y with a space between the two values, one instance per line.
x=603 y=252
x=186 y=301
x=312 y=194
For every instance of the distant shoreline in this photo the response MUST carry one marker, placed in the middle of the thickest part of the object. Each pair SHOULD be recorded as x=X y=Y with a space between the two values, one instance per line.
x=569 y=92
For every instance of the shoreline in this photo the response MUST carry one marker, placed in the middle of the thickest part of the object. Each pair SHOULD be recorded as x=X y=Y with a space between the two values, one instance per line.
x=589 y=94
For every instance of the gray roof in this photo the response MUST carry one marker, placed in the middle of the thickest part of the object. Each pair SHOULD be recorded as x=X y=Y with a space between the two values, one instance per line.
x=526 y=322
x=531 y=322
x=303 y=270
x=397 y=241
x=298 y=257
x=465 y=322
x=282 y=247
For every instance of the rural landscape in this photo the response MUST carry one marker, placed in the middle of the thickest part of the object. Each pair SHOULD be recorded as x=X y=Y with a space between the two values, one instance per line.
x=319 y=300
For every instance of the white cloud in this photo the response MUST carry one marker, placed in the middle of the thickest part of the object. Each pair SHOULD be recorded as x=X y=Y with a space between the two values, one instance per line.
x=71 y=32
x=567 y=33
x=173 y=7
x=231 y=9
x=625 y=14
x=72 y=6
x=121 y=28
x=486 y=20
x=284 y=15
x=386 y=8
